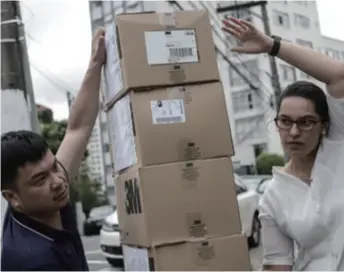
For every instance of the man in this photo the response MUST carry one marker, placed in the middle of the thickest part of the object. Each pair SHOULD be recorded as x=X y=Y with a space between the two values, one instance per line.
x=39 y=229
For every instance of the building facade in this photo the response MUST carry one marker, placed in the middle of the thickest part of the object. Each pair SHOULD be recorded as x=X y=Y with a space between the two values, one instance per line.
x=254 y=111
x=246 y=79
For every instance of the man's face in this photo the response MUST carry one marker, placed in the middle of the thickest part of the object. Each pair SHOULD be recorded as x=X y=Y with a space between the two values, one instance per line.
x=40 y=187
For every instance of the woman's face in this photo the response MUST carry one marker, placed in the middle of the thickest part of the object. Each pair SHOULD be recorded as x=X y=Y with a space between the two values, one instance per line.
x=300 y=127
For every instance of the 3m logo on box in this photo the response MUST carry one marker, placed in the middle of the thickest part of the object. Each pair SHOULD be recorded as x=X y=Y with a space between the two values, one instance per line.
x=132 y=197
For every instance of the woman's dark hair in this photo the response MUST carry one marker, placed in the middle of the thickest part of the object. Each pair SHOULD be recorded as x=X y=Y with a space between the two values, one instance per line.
x=311 y=92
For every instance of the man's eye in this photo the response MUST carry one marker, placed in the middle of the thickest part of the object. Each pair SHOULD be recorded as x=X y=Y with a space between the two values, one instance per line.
x=39 y=181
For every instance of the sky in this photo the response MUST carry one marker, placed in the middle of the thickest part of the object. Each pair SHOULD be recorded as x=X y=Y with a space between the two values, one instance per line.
x=59 y=45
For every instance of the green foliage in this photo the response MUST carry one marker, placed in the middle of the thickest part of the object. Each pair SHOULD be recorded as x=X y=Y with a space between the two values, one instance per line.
x=266 y=161
x=53 y=133
x=90 y=193
x=45 y=117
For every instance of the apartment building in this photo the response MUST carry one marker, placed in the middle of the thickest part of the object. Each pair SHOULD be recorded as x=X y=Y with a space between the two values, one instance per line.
x=250 y=106
x=253 y=111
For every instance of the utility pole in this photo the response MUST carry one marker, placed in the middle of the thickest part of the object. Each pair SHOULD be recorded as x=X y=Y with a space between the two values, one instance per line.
x=15 y=67
x=275 y=82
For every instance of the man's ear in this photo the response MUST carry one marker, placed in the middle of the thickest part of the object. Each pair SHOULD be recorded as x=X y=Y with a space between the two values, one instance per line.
x=12 y=198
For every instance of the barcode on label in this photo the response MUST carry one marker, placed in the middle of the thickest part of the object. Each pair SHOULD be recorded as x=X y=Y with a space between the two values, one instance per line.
x=181 y=52
x=167 y=120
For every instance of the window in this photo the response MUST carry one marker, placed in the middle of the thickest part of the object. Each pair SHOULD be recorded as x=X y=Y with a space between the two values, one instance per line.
x=243 y=14
x=288 y=73
x=332 y=53
x=302 y=2
x=302 y=21
x=97 y=3
x=304 y=43
x=281 y=19
x=108 y=20
x=107 y=7
x=248 y=68
x=259 y=149
x=250 y=128
x=96 y=10
x=245 y=101
x=109 y=169
x=106 y=148
x=104 y=127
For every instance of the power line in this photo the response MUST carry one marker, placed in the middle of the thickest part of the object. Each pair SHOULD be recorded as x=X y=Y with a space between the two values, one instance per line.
x=227 y=42
x=59 y=87
x=234 y=67
x=257 y=90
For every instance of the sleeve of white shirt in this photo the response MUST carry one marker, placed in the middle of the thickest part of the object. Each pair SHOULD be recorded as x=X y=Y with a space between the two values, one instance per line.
x=336 y=108
x=278 y=249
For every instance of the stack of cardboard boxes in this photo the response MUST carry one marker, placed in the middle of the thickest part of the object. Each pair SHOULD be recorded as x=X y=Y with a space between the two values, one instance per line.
x=171 y=145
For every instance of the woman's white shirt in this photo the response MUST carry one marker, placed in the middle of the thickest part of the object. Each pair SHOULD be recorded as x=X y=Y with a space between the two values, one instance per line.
x=303 y=226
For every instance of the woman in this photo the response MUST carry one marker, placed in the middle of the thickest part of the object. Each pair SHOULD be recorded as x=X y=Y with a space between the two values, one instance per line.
x=303 y=207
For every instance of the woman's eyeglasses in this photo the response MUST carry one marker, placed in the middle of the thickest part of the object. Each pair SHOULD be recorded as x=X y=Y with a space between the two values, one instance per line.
x=302 y=124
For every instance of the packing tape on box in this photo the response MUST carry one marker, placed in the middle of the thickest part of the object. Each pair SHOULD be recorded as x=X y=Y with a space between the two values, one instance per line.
x=108 y=105
x=167 y=19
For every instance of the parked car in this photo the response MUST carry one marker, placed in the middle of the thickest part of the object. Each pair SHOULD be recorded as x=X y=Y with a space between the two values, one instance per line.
x=248 y=207
x=262 y=185
x=110 y=243
x=94 y=222
x=247 y=201
x=255 y=182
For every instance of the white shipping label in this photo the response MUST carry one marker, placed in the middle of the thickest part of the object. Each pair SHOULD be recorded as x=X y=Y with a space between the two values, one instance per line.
x=135 y=259
x=171 y=46
x=168 y=111
x=122 y=135
x=112 y=68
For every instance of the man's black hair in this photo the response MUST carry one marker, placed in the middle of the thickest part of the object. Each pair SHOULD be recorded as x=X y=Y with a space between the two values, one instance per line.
x=17 y=149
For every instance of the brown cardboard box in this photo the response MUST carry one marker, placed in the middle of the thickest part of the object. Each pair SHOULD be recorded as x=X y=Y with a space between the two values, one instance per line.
x=173 y=202
x=219 y=254
x=159 y=49
x=170 y=125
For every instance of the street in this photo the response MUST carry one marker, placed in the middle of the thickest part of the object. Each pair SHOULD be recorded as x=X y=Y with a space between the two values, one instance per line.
x=95 y=259
x=97 y=262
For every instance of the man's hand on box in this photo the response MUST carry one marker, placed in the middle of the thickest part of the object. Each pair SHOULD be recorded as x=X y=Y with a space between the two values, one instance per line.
x=98 y=47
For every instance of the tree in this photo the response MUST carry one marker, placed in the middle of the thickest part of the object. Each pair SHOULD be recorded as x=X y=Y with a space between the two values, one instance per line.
x=266 y=161
x=54 y=133
x=90 y=193
x=45 y=116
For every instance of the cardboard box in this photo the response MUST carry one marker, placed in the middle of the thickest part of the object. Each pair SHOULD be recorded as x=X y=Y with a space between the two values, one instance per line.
x=219 y=254
x=170 y=125
x=159 y=49
x=175 y=202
